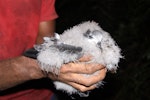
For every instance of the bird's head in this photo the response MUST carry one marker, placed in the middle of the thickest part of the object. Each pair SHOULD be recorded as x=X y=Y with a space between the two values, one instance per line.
x=95 y=36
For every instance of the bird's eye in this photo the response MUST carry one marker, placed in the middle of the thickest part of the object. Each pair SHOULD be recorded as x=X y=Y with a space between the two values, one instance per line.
x=88 y=34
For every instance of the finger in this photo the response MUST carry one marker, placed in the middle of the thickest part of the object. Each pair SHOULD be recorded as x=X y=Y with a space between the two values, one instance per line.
x=86 y=80
x=85 y=58
x=81 y=68
x=80 y=87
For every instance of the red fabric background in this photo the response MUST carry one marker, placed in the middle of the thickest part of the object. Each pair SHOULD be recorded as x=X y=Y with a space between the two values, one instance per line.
x=19 y=20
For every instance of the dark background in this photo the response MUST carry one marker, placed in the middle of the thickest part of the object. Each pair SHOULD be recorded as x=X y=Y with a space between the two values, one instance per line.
x=128 y=21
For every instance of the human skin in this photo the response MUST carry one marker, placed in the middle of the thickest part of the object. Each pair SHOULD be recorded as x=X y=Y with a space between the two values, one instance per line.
x=15 y=71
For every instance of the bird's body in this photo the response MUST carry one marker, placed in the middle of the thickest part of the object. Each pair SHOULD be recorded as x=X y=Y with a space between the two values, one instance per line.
x=83 y=39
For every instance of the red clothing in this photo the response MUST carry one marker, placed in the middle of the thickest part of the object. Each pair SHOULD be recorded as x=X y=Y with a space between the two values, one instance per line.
x=19 y=20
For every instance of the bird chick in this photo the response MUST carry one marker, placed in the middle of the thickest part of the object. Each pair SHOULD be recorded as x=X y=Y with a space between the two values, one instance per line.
x=83 y=39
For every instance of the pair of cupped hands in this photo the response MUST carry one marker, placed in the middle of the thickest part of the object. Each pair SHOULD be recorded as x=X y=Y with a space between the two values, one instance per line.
x=72 y=74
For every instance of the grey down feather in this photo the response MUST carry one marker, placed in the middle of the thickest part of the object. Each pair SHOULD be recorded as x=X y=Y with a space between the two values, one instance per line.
x=83 y=39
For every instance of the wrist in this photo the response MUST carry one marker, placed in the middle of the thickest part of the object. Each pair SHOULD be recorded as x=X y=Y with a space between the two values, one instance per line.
x=29 y=68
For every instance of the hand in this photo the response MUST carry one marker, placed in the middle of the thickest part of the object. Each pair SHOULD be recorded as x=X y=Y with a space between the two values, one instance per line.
x=71 y=74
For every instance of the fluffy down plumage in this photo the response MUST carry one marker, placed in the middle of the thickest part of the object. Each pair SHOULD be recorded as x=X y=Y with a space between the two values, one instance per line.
x=85 y=38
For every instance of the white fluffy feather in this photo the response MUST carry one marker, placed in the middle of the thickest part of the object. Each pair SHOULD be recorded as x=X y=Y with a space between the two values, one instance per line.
x=85 y=38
